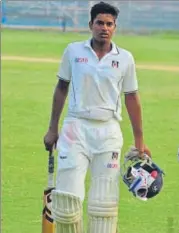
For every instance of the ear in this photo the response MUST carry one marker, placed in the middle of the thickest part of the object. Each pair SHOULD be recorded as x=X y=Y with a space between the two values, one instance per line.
x=90 y=25
x=115 y=27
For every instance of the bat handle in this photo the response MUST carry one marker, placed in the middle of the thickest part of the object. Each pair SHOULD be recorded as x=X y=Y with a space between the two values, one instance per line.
x=51 y=170
x=51 y=162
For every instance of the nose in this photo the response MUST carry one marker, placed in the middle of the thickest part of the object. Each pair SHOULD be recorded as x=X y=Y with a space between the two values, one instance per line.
x=104 y=27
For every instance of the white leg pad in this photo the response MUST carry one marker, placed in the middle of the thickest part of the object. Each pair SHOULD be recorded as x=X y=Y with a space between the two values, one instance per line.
x=103 y=205
x=67 y=212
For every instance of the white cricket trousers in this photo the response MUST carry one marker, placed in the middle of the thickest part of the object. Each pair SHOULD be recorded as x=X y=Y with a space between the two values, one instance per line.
x=87 y=144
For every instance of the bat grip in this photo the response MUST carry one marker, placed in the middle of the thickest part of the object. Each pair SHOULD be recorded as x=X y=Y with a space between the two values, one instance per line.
x=51 y=163
x=51 y=170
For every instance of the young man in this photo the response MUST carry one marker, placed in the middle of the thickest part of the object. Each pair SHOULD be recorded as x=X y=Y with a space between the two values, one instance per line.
x=95 y=72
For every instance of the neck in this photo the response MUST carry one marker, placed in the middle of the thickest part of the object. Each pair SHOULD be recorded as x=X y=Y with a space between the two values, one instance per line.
x=102 y=46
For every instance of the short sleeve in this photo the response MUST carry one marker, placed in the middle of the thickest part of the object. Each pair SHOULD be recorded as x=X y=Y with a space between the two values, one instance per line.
x=64 y=72
x=130 y=83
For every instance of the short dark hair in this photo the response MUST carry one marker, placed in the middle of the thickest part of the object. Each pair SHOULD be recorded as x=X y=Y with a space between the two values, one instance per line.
x=103 y=8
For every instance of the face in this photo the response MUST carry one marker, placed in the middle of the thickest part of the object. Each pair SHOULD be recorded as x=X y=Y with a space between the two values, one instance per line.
x=103 y=27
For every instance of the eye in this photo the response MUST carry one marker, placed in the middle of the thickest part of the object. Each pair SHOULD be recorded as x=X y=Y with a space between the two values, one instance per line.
x=109 y=24
x=100 y=22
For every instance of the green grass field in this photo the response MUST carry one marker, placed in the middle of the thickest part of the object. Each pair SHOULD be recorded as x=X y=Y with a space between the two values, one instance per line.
x=27 y=89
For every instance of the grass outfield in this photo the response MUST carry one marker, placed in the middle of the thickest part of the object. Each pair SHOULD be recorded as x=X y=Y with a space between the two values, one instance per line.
x=26 y=102
x=162 y=48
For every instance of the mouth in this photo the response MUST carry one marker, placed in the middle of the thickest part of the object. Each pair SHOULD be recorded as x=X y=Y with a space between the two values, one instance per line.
x=104 y=35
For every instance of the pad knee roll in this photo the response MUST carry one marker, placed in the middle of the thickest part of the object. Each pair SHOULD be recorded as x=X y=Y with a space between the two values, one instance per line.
x=67 y=212
x=103 y=205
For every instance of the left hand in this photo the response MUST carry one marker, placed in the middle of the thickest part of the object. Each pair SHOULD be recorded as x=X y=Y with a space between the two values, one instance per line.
x=135 y=152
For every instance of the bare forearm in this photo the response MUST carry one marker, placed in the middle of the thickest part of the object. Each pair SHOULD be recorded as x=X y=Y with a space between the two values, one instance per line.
x=59 y=98
x=133 y=106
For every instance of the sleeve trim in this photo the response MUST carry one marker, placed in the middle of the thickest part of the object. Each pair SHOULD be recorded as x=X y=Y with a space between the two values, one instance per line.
x=63 y=79
x=130 y=92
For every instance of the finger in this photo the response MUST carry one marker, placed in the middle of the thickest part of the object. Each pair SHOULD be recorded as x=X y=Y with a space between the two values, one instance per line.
x=48 y=144
x=142 y=156
x=55 y=145
x=48 y=147
x=147 y=151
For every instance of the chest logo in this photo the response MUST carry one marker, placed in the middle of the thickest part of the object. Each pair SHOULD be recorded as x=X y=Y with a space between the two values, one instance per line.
x=115 y=64
x=81 y=60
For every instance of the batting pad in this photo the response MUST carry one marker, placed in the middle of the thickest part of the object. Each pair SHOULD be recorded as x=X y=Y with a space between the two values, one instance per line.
x=103 y=206
x=67 y=212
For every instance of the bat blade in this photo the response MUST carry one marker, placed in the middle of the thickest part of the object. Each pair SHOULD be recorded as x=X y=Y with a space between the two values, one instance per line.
x=48 y=225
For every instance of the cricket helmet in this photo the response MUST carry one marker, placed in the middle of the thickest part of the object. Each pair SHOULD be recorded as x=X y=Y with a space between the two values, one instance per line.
x=142 y=176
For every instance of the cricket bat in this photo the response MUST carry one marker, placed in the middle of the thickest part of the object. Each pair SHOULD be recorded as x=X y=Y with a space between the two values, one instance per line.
x=48 y=225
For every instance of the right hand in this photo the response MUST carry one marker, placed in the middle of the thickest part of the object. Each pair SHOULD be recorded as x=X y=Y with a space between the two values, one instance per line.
x=50 y=140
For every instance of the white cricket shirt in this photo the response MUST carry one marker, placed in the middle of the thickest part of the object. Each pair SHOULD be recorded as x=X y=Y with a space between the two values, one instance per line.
x=96 y=85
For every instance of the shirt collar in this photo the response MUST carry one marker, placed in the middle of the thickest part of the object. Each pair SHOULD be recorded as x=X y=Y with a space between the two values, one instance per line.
x=114 y=49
